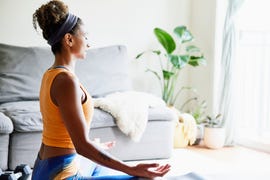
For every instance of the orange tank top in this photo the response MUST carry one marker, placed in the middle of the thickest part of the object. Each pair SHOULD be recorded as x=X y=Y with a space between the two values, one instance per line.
x=54 y=131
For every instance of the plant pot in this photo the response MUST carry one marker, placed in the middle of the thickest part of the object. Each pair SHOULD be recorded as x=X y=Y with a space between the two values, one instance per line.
x=179 y=139
x=214 y=138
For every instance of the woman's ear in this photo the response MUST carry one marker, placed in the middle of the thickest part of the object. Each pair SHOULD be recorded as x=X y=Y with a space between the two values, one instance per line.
x=68 y=39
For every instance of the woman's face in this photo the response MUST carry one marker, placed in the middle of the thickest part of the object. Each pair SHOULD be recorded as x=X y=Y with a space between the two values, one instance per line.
x=81 y=43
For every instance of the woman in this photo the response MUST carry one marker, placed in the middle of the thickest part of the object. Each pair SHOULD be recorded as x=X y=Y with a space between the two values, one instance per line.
x=66 y=106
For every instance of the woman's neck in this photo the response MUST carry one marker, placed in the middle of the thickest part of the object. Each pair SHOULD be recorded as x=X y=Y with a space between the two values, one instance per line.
x=64 y=61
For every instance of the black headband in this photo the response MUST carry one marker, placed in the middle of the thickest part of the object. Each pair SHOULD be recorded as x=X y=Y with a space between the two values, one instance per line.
x=69 y=23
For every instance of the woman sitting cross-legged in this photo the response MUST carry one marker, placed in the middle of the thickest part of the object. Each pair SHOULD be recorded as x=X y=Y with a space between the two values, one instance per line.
x=66 y=106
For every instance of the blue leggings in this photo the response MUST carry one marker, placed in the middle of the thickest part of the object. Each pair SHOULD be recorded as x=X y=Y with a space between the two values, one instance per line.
x=51 y=168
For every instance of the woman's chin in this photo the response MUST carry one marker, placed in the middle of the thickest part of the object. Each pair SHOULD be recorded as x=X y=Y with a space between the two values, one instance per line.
x=82 y=57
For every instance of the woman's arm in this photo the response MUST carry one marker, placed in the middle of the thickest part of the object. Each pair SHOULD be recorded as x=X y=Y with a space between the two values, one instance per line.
x=104 y=145
x=66 y=94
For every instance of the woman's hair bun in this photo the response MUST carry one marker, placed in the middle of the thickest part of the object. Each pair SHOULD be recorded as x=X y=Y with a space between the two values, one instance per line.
x=50 y=16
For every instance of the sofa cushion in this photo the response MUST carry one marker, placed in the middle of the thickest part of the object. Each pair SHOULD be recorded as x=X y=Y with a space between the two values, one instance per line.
x=102 y=119
x=160 y=113
x=6 y=126
x=105 y=70
x=25 y=115
x=21 y=70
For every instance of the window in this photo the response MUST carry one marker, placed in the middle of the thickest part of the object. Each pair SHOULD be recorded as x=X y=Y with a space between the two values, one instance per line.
x=252 y=75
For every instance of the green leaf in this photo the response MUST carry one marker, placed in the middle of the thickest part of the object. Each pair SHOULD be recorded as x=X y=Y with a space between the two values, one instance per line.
x=154 y=72
x=156 y=52
x=218 y=116
x=139 y=55
x=153 y=51
x=197 y=60
x=165 y=40
x=178 y=61
x=183 y=34
x=192 y=48
x=167 y=74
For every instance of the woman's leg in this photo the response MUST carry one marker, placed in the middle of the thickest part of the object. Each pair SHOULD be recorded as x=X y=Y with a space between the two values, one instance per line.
x=93 y=171
x=112 y=177
x=89 y=168
x=58 y=167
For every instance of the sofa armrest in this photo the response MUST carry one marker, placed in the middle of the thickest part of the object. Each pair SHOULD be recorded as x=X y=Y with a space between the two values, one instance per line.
x=6 y=126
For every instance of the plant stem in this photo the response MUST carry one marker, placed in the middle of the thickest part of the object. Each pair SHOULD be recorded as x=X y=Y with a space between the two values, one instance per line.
x=165 y=92
x=187 y=101
x=162 y=81
x=172 y=82
x=174 y=99
x=177 y=95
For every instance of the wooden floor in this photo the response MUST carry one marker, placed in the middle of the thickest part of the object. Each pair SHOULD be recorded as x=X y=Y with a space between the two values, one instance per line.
x=229 y=163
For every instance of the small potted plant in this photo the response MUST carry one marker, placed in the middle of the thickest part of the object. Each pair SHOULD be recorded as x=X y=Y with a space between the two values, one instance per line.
x=214 y=132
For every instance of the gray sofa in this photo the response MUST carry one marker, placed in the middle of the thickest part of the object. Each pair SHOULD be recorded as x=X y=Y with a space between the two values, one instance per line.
x=104 y=71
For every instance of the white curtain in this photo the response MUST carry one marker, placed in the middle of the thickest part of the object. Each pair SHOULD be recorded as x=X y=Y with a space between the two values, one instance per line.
x=252 y=74
x=226 y=105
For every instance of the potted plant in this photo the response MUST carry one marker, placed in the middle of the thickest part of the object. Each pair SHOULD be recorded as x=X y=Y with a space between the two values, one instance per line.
x=171 y=61
x=174 y=56
x=214 y=132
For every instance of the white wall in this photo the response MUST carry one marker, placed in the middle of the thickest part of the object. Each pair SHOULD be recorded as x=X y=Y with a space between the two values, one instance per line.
x=127 y=22
x=203 y=26
x=108 y=21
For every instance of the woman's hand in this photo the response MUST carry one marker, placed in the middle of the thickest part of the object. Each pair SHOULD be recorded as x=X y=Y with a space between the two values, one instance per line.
x=150 y=170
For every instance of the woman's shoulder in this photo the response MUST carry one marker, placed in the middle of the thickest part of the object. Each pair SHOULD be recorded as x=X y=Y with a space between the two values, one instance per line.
x=65 y=79
x=65 y=86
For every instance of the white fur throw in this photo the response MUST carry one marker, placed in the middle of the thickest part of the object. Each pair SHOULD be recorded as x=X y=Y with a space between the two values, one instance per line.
x=130 y=110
